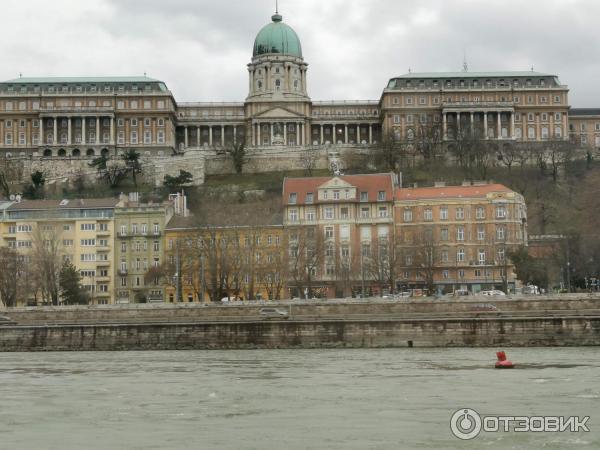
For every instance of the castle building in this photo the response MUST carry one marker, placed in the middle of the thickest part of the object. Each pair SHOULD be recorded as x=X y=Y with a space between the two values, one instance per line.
x=88 y=116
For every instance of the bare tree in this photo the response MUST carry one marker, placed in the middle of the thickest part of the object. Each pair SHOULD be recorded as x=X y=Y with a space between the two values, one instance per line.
x=11 y=274
x=305 y=256
x=46 y=258
x=308 y=160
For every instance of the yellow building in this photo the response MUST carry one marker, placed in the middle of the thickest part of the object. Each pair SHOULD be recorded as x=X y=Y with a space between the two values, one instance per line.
x=206 y=262
x=80 y=231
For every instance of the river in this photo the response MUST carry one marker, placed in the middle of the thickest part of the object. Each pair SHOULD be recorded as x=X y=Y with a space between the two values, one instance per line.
x=290 y=399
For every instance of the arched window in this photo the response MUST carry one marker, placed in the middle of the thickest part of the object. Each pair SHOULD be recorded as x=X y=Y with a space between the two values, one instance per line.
x=76 y=152
x=277 y=84
x=62 y=152
x=47 y=152
x=90 y=152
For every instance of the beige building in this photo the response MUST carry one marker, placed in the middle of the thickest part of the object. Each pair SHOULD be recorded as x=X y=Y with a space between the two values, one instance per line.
x=139 y=246
x=458 y=237
x=504 y=106
x=584 y=127
x=340 y=234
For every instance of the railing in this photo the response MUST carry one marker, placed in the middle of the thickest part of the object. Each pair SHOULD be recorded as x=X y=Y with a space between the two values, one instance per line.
x=481 y=104
x=76 y=109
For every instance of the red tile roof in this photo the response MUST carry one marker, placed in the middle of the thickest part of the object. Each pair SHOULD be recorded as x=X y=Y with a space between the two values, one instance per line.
x=372 y=184
x=449 y=192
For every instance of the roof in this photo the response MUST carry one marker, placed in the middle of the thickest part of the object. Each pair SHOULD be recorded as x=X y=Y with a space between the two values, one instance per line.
x=41 y=80
x=230 y=221
x=372 y=183
x=584 y=112
x=524 y=73
x=277 y=37
x=449 y=192
x=87 y=203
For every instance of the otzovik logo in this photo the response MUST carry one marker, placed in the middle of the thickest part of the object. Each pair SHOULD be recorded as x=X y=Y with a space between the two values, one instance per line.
x=467 y=423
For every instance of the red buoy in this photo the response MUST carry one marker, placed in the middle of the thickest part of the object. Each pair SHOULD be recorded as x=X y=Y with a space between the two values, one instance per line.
x=502 y=362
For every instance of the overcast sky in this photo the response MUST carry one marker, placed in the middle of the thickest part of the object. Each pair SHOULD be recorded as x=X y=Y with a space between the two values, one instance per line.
x=200 y=48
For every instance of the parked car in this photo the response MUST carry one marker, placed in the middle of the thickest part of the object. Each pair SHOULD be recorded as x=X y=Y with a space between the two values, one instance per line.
x=229 y=299
x=530 y=289
x=461 y=293
x=492 y=292
x=6 y=321
x=273 y=313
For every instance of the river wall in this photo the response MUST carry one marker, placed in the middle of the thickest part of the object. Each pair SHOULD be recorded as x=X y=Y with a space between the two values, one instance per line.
x=468 y=332
x=532 y=322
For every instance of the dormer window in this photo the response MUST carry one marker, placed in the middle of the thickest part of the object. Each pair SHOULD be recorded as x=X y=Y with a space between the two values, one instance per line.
x=364 y=196
x=309 y=197
x=381 y=196
x=292 y=198
x=336 y=195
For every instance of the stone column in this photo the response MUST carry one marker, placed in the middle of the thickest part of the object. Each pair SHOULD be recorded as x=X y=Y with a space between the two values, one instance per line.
x=210 y=140
x=97 y=129
x=111 y=138
x=358 y=133
x=285 y=133
x=485 y=125
x=370 y=133
x=222 y=135
x=235 y=134
x=69 y=132
x=55 y=119
x=322 y=140
x=198 y=137
x=472 y=123
x=42 y=139
x=499 y=128
x=301 y=134
x=512 y=124
x=444 y=126
x=259 y=142
x=83 y=130
x=345 y=133
x=565 y=130
x=185 y=137
x=271 y=143
x=457 y=123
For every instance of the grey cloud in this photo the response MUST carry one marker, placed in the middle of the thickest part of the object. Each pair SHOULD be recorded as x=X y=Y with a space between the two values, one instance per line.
x=201 y=48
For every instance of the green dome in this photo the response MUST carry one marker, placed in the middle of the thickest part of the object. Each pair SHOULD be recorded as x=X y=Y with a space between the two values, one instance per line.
x=277 y=37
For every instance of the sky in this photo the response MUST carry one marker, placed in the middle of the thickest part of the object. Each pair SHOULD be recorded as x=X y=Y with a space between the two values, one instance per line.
x=200 y=48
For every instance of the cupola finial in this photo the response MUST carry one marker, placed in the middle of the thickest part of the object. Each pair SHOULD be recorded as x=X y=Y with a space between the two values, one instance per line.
x=276 y=17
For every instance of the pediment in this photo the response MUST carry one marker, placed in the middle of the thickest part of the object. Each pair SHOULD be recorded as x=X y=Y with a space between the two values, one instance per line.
x=335 y=182
x=279 y=113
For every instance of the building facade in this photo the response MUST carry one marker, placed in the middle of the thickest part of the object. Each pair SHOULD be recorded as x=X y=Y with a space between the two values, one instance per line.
x=45 y=233
x=458 y=237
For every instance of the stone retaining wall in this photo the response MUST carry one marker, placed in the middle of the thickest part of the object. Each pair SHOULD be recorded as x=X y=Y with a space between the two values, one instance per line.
x=306 y=334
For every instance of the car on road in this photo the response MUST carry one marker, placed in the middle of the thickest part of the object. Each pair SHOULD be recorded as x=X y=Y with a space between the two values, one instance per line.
x=492 y=292
x=483 y=307
x=273 y=313
x=6 y=321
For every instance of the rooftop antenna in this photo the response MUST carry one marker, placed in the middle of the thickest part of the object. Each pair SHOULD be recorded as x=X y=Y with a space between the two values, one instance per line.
x=145 y=73
x=465 y=65
x=409 y=70
x=532 y=67
x=276 y=7
x=20 y=75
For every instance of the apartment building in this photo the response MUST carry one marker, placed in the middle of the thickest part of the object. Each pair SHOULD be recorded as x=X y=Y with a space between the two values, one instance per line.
x=584 y=127
x=80 y=231
x=458 y=237
x=139 y=237
x=205 y=260
x=340 y=233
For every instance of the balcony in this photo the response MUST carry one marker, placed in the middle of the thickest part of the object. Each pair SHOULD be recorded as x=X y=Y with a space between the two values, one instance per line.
x=102 y=263
x=54 y=110
x=122 y=272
